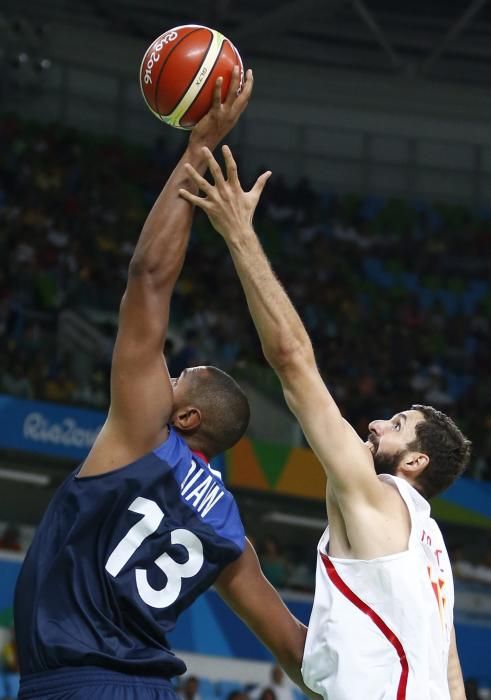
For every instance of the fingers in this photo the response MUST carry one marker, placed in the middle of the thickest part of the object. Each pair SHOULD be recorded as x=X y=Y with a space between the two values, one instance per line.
x=193 y=199
x=200 y=181
x=214 y=169
x=217 y=94
x=230 y=166
x=260 y=185
x=238 y=102
x=233 y=90
x=246 y=92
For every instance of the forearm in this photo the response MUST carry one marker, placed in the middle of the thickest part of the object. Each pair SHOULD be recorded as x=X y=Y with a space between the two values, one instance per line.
x=292 y=667
x=162 y=243
x=279 y=326
x=456 y=687
x=455 y=678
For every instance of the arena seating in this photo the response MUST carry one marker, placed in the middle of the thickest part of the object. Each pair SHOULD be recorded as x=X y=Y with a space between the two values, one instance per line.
x=395 y=294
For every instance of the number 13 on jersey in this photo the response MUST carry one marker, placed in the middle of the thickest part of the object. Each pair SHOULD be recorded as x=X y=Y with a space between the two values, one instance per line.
x=175 y=572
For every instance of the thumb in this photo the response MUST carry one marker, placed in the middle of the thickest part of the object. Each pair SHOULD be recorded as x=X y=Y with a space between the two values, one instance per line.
x=260 y=185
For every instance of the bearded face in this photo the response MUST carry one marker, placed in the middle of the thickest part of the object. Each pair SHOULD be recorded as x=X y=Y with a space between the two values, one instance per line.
x=384 y=463
x=388 y=463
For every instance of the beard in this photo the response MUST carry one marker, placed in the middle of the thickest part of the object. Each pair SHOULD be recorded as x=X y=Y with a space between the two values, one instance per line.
x=387 y=463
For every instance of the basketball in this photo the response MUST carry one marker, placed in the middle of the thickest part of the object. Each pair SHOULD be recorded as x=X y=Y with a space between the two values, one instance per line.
x=179 y=72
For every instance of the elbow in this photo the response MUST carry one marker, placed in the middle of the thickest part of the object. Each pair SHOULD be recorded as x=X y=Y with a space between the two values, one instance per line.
x=145 y=268
x=289 y=353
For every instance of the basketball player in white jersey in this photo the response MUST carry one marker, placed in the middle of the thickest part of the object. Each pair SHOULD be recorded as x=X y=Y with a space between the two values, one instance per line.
x=382 y=622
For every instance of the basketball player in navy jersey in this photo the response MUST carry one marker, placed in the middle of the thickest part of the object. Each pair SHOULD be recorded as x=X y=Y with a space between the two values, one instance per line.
x=144 y=526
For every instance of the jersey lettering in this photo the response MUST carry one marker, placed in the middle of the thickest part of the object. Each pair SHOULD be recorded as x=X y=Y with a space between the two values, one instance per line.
x=205 y=494
x=152 y=517
x=174 y=571
x=438 y=585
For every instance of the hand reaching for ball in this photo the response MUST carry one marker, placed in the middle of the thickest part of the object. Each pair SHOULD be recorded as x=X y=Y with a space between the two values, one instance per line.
x=229 y=208
x=223 y=116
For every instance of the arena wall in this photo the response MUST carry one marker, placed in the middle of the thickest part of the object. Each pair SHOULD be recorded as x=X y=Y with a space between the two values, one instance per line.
x=322 y=123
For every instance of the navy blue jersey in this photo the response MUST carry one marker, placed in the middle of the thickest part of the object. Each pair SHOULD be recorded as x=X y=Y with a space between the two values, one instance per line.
x=117 y=557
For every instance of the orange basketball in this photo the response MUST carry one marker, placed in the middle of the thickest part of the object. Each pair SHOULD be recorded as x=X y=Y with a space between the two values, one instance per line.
x=180 y=69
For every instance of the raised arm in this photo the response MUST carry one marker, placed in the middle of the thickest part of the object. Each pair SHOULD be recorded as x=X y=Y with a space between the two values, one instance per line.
x=244 y=588
x=141 y=391
x=285 y=342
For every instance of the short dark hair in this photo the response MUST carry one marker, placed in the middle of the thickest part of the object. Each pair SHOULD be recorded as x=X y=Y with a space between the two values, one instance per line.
x=447 y=447
x=224 y=409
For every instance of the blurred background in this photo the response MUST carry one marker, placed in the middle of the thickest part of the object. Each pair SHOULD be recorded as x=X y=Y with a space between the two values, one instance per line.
x=374 y=118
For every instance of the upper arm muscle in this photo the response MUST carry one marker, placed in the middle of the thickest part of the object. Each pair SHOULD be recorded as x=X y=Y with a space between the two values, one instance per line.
x=141 y=392
x=345 y=458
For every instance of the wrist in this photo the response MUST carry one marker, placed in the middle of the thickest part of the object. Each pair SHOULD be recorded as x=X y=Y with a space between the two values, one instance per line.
x=197 y=141
x=240 y=237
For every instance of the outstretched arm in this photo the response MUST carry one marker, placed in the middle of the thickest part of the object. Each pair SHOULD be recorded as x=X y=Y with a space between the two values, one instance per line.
x=141 y=391
x=285 y=342
x=244 y=588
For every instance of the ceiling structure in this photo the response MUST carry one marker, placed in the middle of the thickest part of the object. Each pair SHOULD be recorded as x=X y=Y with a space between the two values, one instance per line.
x=447 y=40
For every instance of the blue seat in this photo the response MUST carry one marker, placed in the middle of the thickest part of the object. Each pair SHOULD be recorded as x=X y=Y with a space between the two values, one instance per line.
x=207 y=689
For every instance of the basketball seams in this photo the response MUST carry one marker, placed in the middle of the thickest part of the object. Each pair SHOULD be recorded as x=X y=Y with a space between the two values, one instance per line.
x=174 y=47
x=193 y=78
x=194 y=91
x=218 y=56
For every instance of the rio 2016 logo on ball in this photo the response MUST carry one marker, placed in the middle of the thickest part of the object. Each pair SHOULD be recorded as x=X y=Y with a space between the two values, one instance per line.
x=179 y=72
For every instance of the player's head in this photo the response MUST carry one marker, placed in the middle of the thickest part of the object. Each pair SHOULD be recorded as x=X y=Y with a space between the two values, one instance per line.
x=210 y=409
x=422 y=445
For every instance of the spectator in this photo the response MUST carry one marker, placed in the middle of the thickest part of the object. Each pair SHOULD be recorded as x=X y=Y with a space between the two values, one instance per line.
x=10 y=538
x=15 y=381
x=59 y=387
x=187 y=356
x=10 y=667
x=238 y=695
x=189 y=689
x=273 y=563
x=281 y=685
x=267 y=694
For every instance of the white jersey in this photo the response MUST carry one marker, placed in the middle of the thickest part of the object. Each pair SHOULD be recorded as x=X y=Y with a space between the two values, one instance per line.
x=380 y=629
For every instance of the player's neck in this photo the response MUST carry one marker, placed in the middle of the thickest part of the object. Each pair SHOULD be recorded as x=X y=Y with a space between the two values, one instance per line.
x=201 y=455
x=196 y=447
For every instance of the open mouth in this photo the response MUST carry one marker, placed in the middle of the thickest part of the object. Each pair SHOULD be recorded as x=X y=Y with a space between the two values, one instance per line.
x=372 y=446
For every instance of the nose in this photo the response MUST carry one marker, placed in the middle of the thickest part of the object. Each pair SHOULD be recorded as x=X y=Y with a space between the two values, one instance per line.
x=377 y=427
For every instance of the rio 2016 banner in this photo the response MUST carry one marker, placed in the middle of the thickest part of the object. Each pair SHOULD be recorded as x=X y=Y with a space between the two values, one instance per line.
x=47 y=428
x=65 y=431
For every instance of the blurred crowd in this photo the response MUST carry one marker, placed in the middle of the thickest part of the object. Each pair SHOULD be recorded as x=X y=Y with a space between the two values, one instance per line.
x=395 y=294
x=9 y=668
x=278 y=687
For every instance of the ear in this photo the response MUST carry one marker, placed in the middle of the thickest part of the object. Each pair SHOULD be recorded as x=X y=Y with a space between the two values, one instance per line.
x=186 y=419
x=414 y=463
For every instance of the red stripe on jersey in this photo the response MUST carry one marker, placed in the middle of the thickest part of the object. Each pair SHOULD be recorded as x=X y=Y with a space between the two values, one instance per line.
x=386 y=631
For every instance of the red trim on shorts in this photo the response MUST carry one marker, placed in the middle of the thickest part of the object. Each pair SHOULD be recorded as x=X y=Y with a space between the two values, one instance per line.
x=386 y=631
